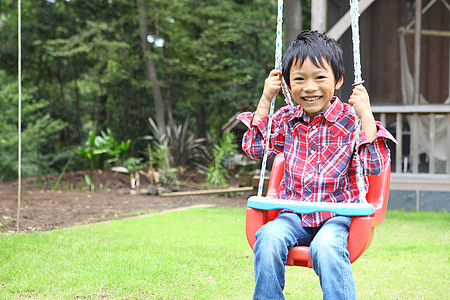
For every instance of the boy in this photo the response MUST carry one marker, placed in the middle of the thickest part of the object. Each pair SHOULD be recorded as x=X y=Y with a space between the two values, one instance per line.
x=317 y=139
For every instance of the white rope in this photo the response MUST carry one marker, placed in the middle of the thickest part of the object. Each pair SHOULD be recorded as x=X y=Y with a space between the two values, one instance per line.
x=19 y=79
x=278 y=51
x=354 y=14
x=287 y=95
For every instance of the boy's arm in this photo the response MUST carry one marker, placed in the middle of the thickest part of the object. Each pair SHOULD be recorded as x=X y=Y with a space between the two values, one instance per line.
x=375 y=153
x=361 y=102
x=253 y=141
x=272 y=86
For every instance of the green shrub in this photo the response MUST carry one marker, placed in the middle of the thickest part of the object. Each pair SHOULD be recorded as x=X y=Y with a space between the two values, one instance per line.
x=39 y=130
x=102 y=150
x=184 y=148
x=217 y=173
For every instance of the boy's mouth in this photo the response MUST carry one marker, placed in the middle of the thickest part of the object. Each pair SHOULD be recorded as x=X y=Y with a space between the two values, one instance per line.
x=312 y=99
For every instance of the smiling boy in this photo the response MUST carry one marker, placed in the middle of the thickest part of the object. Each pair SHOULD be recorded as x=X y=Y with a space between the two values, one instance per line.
x=317 y=140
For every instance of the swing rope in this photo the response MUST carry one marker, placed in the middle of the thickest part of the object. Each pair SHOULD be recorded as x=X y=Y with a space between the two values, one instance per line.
x=287 y=96
x=278 y=52
x=259 y=201
x=19 y=79
x=354 y=15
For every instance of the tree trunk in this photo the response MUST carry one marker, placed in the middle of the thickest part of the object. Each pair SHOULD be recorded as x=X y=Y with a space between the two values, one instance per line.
x=126 y=111
x=125 y=120
x=159 y=103
x=75 y=82
x=77 y=101
x=62 y=113
x=292 y=20
x=169 y=102
x=200 y=116
x=101 y=110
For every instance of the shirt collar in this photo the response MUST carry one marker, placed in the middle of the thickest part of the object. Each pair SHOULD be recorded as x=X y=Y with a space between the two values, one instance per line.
x=331 y=114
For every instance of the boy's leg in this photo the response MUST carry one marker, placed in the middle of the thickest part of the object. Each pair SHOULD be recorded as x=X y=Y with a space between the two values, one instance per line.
x=330 y=259
x=273 y=242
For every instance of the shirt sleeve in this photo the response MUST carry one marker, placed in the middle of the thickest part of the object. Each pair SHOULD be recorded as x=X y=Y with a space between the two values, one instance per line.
x=375 y=154
x=254 y=139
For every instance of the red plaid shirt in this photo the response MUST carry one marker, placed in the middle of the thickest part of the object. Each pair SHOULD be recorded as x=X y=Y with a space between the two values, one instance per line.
x=320 y=164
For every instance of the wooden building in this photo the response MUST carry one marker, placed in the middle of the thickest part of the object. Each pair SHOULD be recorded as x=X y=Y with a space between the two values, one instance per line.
x=405 y=47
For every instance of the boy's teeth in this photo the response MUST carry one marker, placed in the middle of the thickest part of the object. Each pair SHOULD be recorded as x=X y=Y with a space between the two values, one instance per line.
x=311 y=98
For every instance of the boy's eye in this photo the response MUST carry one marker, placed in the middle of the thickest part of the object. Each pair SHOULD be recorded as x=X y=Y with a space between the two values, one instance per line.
x=320 y=77
x=298 y=78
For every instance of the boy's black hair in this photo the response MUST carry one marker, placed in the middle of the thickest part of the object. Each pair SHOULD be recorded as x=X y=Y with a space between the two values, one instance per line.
x=317 y=47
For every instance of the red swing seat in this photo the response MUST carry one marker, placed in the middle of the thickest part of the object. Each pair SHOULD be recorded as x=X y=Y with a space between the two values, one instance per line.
x=361 y=229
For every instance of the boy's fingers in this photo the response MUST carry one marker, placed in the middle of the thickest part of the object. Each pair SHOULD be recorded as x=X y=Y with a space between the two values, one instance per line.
x=360 y=88
x=275 y=73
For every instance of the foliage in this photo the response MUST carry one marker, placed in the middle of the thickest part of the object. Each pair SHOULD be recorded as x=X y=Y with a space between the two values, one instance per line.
x=88 y=180
x=217 y=172
x=38 y=130
x=56 y=184
x=183 y=147
x=133 y=164
x=103 y=149
x=160 y=158
x=83 y=64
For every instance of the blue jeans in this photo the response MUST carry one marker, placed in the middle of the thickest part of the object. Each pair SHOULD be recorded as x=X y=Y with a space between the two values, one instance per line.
x=328 y=248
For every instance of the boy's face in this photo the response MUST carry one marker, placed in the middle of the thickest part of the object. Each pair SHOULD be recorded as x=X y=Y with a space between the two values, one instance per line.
x=313 y=87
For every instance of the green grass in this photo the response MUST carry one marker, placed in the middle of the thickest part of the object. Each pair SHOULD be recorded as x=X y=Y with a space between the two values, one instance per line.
x=203 y=254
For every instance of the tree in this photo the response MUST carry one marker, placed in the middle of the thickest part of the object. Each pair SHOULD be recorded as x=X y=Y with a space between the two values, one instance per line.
x=216 y=54
x=146 y=47
x=38 y=128
x=92 y=66
x=293 y=20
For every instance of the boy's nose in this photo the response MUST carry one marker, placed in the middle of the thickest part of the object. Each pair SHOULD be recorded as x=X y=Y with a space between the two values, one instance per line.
x=310 y=86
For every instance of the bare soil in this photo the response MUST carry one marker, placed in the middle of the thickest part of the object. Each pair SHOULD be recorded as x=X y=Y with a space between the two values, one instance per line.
x=73 y=203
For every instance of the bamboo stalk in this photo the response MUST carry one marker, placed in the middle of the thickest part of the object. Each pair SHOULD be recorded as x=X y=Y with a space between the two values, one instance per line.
x=208 y=192
x=431 y=32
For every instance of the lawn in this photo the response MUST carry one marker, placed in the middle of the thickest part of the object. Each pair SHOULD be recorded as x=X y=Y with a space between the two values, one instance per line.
x=203 y=254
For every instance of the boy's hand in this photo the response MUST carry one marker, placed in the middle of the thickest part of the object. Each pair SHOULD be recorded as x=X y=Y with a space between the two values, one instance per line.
x=272 y=86
x=361 y=102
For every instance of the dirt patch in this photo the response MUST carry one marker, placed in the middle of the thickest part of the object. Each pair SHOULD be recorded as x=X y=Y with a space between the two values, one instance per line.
x=75 y=203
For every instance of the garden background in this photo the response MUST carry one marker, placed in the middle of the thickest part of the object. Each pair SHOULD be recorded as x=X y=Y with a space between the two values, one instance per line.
x=139 y=84
x=117 y=92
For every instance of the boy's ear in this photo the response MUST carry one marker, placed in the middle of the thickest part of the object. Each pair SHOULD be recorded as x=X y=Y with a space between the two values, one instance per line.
x=339 y=83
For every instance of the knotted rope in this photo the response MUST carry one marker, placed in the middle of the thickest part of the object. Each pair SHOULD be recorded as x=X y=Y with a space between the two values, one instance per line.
x=354 y=13
x=278 y=53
